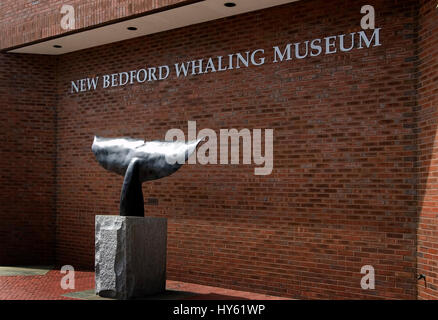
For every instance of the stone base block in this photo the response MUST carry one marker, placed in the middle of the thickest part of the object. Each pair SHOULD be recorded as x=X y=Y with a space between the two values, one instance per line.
x=130 y=256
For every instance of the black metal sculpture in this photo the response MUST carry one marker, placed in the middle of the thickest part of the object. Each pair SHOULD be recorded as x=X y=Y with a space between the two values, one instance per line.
x=140 y=161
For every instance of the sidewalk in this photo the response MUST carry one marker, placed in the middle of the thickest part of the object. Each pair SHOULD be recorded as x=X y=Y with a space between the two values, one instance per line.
x=43 y=283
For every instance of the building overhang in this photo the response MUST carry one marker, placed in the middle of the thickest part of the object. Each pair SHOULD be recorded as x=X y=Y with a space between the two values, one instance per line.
x=195 y=12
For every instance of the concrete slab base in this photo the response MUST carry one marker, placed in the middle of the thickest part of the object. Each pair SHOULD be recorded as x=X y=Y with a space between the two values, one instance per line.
x=130 y=256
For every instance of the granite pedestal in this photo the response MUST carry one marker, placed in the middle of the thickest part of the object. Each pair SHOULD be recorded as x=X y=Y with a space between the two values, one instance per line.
x=130 y=256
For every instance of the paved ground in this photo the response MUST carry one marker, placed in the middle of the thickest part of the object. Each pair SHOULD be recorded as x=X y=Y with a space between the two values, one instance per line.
x=43 y=283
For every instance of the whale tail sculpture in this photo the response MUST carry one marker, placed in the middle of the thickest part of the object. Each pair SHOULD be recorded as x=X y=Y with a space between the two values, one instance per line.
x=139 y=161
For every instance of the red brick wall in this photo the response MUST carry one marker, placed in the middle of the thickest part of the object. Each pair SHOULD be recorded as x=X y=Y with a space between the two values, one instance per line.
x=427 y=233
x=23 y=21
x=27 y=159
x=342 y=192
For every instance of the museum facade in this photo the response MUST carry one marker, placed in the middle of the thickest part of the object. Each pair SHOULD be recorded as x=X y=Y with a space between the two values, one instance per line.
x=352 y=112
